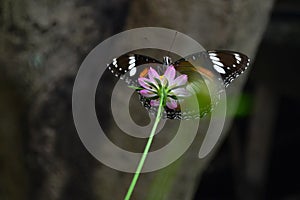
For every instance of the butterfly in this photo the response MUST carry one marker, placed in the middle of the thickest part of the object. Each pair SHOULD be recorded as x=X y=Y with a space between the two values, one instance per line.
x=225 y=66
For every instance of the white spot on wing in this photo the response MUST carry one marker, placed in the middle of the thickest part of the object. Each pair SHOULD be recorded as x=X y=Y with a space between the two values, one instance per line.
x=132 y=71
x=214 y=58
x=219 y=69
x=218 y=63
x=114 y=61
x=131 y=66
x=131 y=61
x=238 y=58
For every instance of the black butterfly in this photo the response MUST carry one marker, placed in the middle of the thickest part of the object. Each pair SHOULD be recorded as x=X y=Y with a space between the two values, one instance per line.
x=226 y=66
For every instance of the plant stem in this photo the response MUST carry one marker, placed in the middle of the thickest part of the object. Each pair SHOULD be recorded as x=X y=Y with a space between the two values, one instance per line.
x=147 y=148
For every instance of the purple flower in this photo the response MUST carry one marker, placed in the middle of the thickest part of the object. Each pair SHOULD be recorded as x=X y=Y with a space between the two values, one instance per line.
x=173 y=88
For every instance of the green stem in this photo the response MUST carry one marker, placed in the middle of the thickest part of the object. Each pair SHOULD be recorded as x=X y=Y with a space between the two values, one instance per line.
x=147 y=148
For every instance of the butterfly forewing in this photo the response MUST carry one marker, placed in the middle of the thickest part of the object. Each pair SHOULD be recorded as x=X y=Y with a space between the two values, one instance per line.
x=128 y=64
x=229 y=64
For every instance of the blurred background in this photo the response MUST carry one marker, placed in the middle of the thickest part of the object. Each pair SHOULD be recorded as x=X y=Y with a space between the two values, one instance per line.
x=42 y=44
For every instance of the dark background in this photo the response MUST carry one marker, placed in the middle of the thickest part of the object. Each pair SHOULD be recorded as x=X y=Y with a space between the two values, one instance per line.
x=42 y=44
x=272 y=153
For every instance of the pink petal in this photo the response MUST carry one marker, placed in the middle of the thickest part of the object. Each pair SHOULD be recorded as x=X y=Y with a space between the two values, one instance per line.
x=143 y=82
x=180 y=80
x=152 y=73
x=180 y=92
x=170 y=73
x=171 y=103
x=147 y=93
x=154 y=103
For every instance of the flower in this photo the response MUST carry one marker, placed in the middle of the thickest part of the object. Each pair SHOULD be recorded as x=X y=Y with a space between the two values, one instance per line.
x=167 y=86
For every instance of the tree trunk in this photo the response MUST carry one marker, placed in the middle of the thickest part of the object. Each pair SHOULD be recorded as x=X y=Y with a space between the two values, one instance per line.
x=42 y=46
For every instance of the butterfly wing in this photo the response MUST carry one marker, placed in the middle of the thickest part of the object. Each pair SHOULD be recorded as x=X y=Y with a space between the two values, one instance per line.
x=200 y=80
x=226 y=66
x=127 y=64
x=229 y=64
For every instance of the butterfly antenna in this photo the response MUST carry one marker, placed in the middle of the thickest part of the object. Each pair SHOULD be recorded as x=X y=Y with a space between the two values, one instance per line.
x=167 y=60
x=173 y=41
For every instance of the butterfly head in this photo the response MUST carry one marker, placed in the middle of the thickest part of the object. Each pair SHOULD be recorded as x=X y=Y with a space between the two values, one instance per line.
x=167 y=61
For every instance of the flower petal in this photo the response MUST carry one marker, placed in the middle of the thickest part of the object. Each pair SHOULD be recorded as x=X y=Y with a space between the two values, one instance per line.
x=180 y=80
x=147 y=93
x=170 y=73
x=143 y=82
x=152 y=73
x=180 y=92
x=171 y=103
x=154 y=103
